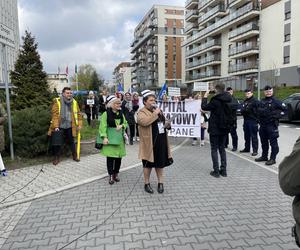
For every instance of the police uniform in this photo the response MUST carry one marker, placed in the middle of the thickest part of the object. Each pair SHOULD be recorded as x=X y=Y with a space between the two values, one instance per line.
x=250 y=126
x=269 y=112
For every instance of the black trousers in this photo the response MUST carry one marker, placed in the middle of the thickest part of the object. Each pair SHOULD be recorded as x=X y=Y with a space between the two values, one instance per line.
x=217 y=143
x=234 y=138
x=89 y=116
x=132 y=131
x=113 y=165
x=68 y=138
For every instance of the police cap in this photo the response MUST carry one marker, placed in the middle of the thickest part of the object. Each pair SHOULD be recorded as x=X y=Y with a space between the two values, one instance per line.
x=228 y=88
x=268 y=87
x=248 y=90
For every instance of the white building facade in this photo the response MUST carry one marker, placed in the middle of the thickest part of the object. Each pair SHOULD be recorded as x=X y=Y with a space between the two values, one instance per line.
x=122 y=75
x=9 y=34
x=231 y=41
x=58 y=82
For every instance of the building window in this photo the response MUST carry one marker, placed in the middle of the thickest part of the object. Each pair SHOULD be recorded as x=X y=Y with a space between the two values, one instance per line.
x=287 y=10
x=286 y=54
x=287 y=32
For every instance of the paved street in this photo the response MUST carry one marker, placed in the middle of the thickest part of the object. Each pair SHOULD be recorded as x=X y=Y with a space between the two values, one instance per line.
x=246 y=210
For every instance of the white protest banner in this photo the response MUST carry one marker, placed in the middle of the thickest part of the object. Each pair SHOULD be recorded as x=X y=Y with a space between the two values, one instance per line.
x=185 y=116
x=173 y=91
x=200 y=86
x=90 y=101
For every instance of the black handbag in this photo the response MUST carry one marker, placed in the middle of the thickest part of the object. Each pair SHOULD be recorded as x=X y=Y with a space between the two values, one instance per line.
x=57 y=138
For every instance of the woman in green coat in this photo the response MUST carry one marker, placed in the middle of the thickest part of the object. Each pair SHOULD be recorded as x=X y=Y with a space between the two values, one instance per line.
x=112 y=129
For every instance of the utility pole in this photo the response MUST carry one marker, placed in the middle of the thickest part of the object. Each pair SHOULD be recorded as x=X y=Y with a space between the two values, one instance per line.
x=259 y=52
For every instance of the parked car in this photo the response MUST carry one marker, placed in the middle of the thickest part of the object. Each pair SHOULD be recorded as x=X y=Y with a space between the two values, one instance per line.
x=238 y=111
x=293 y=107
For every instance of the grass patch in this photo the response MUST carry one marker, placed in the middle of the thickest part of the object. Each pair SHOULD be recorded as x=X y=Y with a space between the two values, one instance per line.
x=87 y=132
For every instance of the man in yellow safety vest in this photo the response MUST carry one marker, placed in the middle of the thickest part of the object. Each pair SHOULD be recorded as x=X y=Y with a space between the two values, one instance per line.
x=65 y=123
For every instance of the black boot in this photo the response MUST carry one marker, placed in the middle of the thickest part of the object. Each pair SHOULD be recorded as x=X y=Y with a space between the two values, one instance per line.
x=148 y=188
x=75 y=158
x=116 y=178
x=215 y=174
x=223 y=172
x=160 y=188
x=111 y=180
x=262 y=158
x=244 y=151
x=270 y=162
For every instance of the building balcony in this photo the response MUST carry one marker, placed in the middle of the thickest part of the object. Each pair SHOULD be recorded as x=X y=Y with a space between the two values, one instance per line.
x=244 y=32
x=248 y=11
x=214 y=12
x=191 y=15
x=208 y=46
x=243 y=68
x=237 y=3
x=148 y=34
x=244 y=50
x=151 y=51
x=190 y=4
x=207 y=75
x=207 y=61
x=190 y=27
x=205 y=3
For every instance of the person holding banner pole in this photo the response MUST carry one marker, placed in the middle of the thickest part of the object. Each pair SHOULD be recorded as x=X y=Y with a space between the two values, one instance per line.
x=154 y=148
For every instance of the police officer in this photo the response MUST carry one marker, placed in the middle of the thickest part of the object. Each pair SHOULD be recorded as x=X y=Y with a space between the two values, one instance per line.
x=250 y=126
x=234 y=105
x=269 y=112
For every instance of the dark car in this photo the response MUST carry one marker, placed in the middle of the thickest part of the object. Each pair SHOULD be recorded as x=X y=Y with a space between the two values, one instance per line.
x=292 y=103
x=238 y=111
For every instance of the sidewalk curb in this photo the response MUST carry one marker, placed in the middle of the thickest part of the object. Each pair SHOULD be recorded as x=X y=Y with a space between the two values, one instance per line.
x=76 y=184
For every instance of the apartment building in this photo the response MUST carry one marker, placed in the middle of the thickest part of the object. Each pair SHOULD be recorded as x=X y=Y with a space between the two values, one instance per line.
x=9 y=34
x=223 y=37
x=156 y=49
x=222 y=42
x=280 y=43
x=122 y=75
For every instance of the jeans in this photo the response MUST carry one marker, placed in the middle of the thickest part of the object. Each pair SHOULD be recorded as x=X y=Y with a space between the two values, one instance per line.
x=217 y=144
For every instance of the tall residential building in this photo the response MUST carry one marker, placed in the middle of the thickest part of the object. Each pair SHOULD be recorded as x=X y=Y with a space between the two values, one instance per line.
x=280 y=43
x=156 y=49
x=122 y=75
x=9 y=34
x=222 y=41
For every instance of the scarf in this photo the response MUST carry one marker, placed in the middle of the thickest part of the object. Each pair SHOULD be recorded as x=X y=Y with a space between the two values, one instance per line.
x=112 y=116
x=66 y=112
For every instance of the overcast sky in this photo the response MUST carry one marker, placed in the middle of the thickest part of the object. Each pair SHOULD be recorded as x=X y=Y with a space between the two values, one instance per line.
x=98 y=32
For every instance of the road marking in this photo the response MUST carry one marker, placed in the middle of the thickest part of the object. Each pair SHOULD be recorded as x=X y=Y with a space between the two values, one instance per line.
x=285 y=126
x=298 y=128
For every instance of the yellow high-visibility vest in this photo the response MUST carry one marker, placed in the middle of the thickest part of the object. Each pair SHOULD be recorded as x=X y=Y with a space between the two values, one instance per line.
x=75 y=109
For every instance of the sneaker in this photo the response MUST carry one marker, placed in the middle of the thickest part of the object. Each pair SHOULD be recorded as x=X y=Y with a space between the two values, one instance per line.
x=194 y=143
x=202 y=143
x=137 y=138
x=215 y=174
x=3 y=172
x=270 y=162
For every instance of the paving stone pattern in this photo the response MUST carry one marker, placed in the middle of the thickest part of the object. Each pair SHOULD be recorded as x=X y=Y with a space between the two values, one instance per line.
x=246 y=210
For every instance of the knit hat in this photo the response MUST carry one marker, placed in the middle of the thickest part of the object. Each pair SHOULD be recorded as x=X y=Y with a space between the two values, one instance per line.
x=111 y=99
x=91 y=92
x=147 y=92
x=268 y=87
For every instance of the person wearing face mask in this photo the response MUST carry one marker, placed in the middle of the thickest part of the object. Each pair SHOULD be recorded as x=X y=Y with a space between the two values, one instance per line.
x=113 y=120
x=154 y=148
x=269 y=110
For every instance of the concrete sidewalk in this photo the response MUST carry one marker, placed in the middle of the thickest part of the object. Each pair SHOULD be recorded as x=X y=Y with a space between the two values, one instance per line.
x=48 y=179
x=246 y=210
